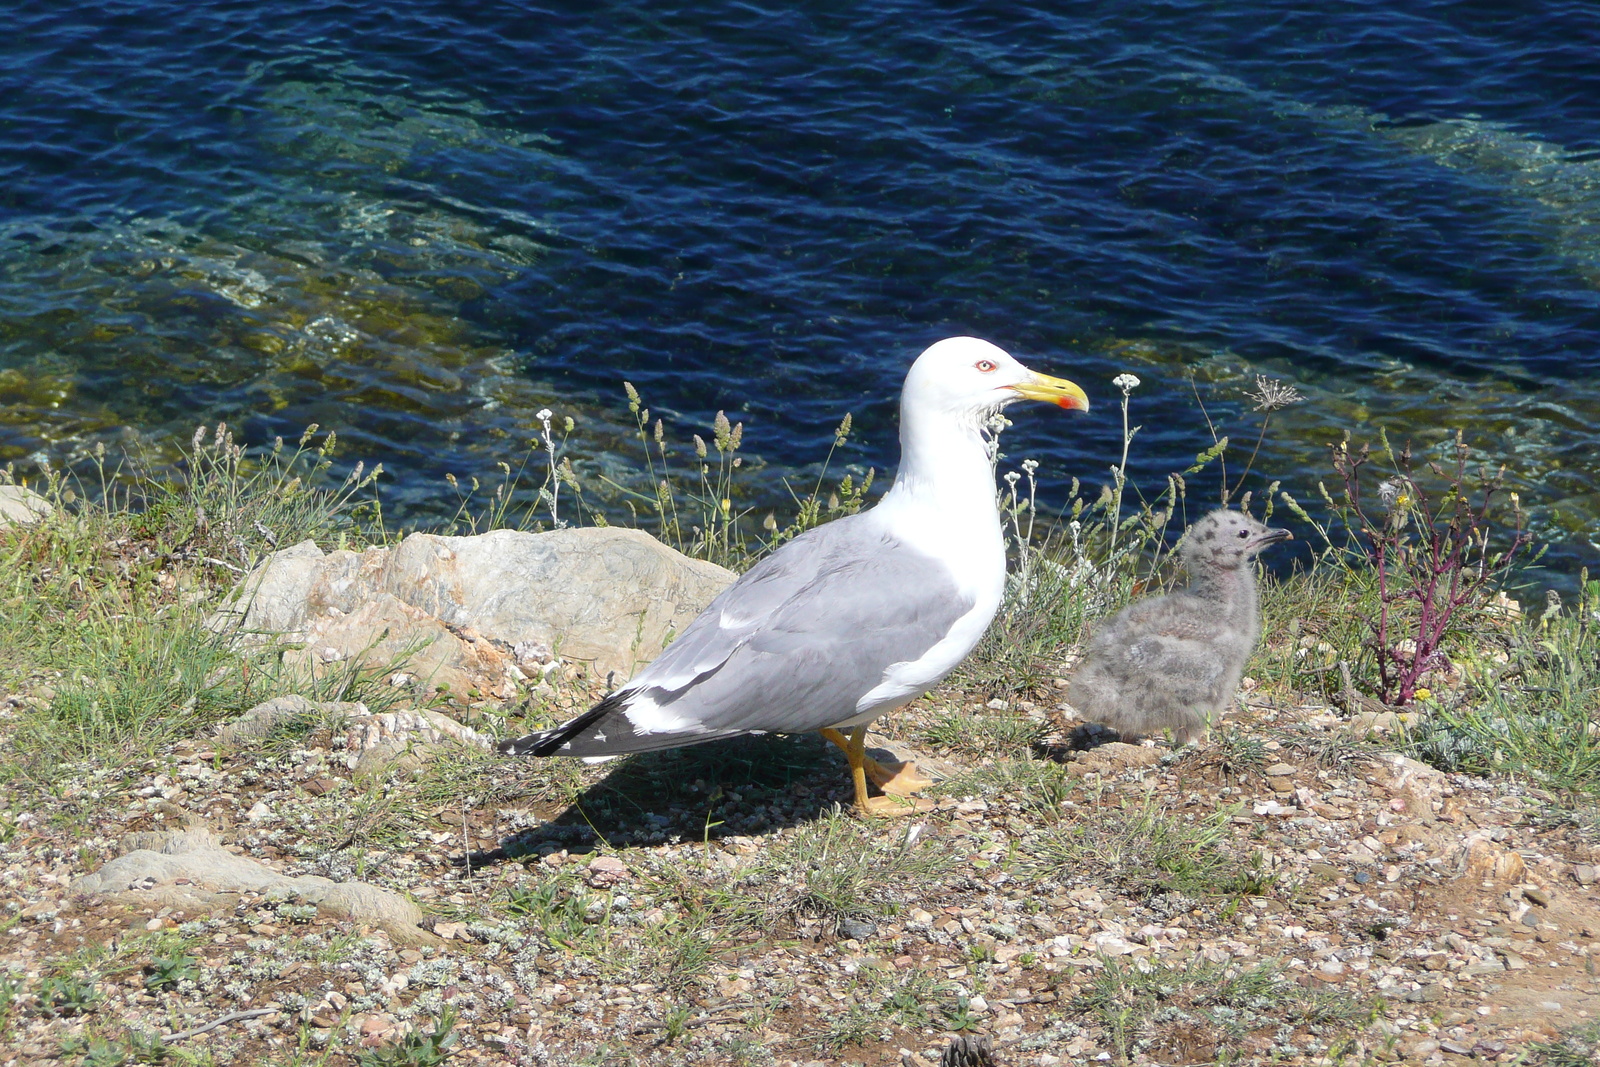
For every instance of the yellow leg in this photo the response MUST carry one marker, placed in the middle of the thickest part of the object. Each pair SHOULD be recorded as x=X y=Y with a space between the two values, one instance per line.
x=855 y=751
x=896 y=779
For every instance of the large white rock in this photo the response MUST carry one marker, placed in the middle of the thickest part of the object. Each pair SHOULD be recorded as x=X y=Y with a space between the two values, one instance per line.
x=478 y=613
x=22 y=507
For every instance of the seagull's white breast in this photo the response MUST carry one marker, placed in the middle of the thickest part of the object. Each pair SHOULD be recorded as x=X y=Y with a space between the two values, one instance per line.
x=969 y=544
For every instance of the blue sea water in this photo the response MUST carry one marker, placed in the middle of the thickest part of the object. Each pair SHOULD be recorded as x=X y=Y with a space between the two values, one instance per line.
x=422 y=223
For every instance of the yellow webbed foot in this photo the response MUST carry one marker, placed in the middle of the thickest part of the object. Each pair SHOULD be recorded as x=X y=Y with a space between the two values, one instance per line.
x=897 y=779
x=891 y=807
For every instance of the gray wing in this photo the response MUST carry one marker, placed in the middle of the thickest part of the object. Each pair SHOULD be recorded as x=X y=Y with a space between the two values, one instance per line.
x=790 y=647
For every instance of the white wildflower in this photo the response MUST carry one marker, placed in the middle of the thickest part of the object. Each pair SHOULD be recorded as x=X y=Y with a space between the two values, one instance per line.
x=1126 y=382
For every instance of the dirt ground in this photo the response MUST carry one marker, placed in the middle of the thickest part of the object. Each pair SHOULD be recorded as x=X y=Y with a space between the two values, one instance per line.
x=1285 y=892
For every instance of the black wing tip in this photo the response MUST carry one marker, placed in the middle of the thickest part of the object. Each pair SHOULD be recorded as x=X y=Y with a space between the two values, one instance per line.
x=527 y=745
x=550 y=742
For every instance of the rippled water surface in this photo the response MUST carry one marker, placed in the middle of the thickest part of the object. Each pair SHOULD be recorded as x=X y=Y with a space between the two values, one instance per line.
x=421 y=226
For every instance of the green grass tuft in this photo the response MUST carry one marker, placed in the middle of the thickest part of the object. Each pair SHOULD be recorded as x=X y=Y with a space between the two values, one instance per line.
x=1532 y=716
x=1203 y=1012
x=1142 y=849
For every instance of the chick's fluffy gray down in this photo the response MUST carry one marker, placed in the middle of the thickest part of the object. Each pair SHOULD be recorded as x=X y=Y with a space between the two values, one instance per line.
x=1174 y=662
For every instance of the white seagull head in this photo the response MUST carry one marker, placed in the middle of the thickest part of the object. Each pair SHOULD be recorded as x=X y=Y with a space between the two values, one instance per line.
x=968 y=378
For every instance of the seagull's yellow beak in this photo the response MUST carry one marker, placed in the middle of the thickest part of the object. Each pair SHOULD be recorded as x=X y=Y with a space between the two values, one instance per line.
x=1057 y=391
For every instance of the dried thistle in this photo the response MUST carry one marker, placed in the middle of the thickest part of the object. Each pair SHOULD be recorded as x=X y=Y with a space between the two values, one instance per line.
x=1271 y=395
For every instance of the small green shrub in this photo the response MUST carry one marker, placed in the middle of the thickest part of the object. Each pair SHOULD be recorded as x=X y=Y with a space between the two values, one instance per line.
x=134 y=1048
x=166 y=970
x=65 y=996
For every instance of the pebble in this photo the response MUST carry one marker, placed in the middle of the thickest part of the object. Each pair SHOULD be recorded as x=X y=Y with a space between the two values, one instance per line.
x=857 y=929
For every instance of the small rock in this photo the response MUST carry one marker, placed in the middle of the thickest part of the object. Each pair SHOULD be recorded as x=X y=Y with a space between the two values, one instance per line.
x=606 y=870
x=1278 y=770
x=186 y=870
x=1585 y=873
x=1110 y=944
x=267 y=716
x=378 y=1030
x=1481 y=860
x=1538 y=896
x=1114 y=758
x=857 y=929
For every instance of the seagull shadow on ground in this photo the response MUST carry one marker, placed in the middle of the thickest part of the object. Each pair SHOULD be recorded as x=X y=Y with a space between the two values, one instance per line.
x=741 y=786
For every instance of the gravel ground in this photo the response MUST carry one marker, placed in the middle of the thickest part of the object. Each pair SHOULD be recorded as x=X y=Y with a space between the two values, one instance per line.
x=1284 y=892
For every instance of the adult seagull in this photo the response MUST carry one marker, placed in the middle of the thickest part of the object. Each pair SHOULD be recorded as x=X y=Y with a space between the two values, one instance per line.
x=854 y=618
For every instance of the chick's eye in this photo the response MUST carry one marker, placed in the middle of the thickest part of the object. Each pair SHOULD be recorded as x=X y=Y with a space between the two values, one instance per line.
x=1243 y=534
x=984 y=365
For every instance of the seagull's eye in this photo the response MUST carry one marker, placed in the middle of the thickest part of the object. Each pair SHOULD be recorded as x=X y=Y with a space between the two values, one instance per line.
x=1243 y=534
x=984 y=365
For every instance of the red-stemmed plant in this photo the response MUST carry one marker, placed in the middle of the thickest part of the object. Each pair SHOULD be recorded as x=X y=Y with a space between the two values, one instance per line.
x=1430 y=551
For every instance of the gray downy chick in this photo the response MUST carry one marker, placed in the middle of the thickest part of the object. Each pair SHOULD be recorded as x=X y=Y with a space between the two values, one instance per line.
x=1173 y=662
